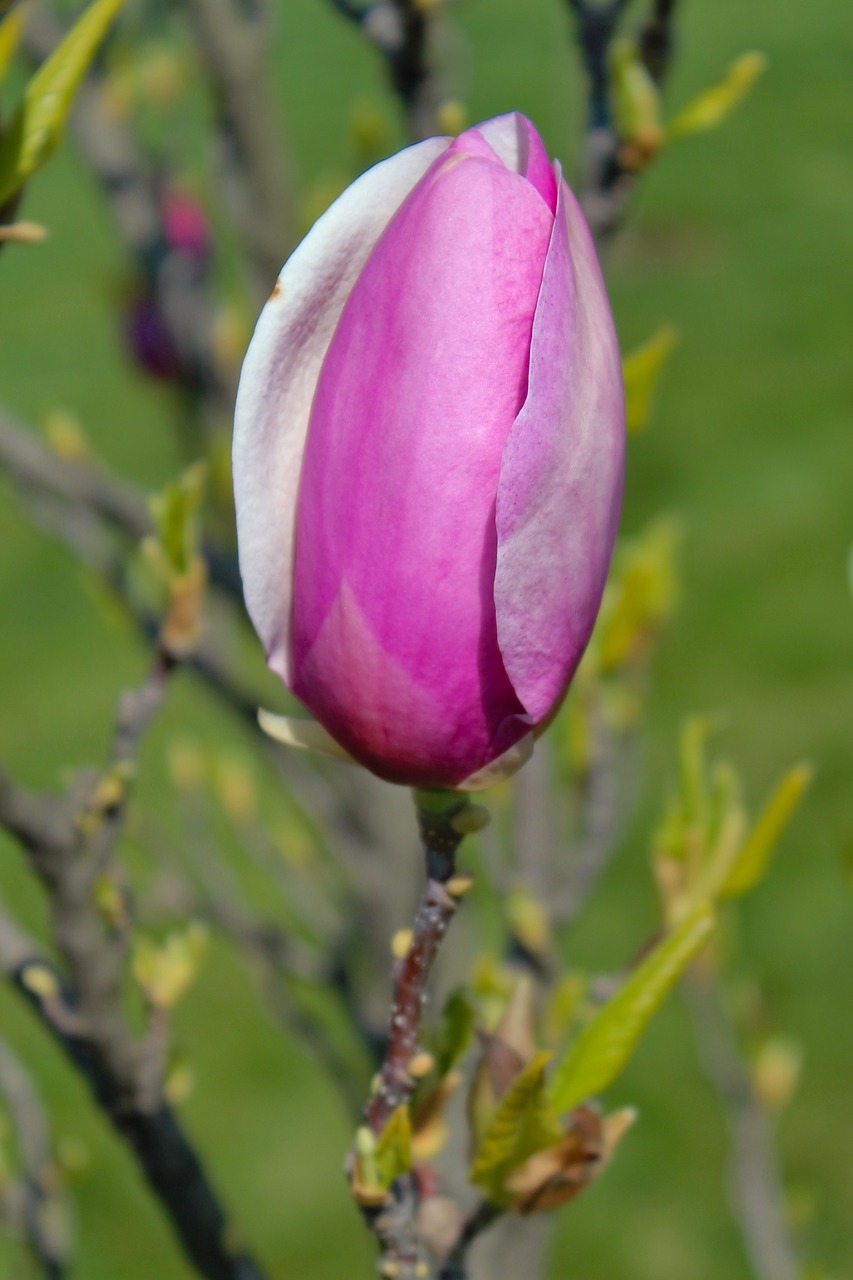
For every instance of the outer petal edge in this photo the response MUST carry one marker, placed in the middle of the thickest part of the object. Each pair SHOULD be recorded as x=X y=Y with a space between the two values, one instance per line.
x=560 y=489
x=301 y=732
x=279 y=377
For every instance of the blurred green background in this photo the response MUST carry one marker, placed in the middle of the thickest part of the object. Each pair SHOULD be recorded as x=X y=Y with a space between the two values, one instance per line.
x=742 y=240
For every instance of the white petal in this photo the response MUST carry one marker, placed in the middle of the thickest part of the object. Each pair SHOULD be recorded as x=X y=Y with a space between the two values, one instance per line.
x=280 y=374
x=508 y=137
x=296 y=731
x=501 y=768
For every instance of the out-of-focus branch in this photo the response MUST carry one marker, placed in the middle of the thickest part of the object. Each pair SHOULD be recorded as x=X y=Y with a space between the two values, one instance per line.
x=70 y=841
x=41 y=1202
x=178 y=281
x=607 y=183
x=400 y=31
x=478 y=1220
x=442 y=822
x=232 y=40
x=755 y=1183
x=34 y=465
x=656 y=39
x=602 y=804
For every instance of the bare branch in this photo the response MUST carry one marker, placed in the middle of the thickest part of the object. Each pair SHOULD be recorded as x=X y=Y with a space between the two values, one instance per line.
x=656 y=38
x=70 y=841
x=400 y=31
x=179 y=284
x=607 y=185
x=34 y=465
x=43 y=1205
x=755 y=1182
x=232 y=40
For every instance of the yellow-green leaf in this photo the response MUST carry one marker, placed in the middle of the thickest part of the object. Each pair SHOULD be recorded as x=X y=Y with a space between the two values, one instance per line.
x=636 y=104
x=524 y=1122
x=641 y=370
x=175 y=514
x=394 y=1148
x=711 y=107
x=165 y=970
x=754 y=856
x=454 y=1032
x=601 y=1051
x=11 y=30
x=36 y=128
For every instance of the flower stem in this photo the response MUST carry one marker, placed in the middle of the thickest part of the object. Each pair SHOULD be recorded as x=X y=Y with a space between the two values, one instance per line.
x=444 y=818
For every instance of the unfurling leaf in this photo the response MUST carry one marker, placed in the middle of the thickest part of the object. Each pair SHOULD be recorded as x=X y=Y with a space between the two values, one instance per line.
x=603 y=1048
x=525 y=1122
x=173 y=553
x=553 y=1177
x=641 y=370
x=455 y=1031
x=529 y=923
x=776 y=1072
x=394 y=1147
x=753 y=858
x=11 y=30
x=175 y=514
x=35 y=129
x=715 y=104
x=701 y=850
x=165 y=970
x=640 y=597
x=636 y=106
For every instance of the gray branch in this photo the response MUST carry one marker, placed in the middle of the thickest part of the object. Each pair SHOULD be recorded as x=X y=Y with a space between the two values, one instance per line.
x=754 y=1178
x=42 y=1204
x=70 y=841
x=400 y=31
x=232 y=40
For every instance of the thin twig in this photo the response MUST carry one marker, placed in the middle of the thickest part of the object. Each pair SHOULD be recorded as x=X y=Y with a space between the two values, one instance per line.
x=394 y=1221
x=602 y=805
x=179 y=284
x=656 y=38
x=411 y=974
x=478 y=1220
x=755 y=1183
x=40 y=1191
x=32 y=463
x=70 y=841
x=400 y=31
x=233 y=40
x=607 y=185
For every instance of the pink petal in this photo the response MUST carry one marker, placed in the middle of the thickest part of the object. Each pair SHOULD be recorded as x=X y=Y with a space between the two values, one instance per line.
x=396 y=539
x=516 y=141
x=560 y=487
x=279 y=377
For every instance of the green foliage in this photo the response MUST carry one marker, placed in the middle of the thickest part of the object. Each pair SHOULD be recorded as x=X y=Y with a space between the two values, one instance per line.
x=641 y=370
x=704 y=847
x=176 y=512
x=378 y=1161
x=11 y=30
x=36 y=128
x=636 y=105
x=601 y=1051
x=524 y=1122
x=454 y=1032
x=394 y=1148
x=752 y=860
x=709 y=109
x=164 y=970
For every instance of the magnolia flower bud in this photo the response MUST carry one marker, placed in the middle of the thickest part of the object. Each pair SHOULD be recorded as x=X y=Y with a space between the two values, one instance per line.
x=428 y=457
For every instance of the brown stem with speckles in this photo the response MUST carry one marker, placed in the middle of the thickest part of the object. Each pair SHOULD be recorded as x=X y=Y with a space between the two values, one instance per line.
x=440 y=840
